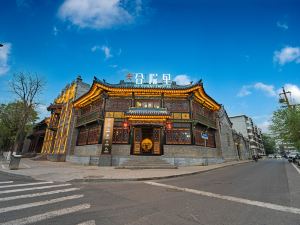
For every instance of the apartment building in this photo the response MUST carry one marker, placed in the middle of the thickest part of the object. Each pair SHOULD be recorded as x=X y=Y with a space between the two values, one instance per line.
x=244 y=125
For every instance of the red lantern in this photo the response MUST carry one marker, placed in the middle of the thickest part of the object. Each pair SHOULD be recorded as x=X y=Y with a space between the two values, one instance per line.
x=169 y=125
x=125 y=124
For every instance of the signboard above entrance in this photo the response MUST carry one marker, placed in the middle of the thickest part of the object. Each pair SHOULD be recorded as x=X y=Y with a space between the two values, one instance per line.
x=140 y=78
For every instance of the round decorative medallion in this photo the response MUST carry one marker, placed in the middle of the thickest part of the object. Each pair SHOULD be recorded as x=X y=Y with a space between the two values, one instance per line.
x=147 y=144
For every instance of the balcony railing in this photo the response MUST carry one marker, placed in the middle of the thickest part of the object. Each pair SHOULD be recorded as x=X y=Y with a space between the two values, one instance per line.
x=88 y=118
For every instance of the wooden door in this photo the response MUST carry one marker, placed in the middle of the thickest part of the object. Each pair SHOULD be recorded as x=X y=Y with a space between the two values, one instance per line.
x=137 y=141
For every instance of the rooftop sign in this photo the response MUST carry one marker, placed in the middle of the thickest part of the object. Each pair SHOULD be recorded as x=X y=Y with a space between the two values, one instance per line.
x=140 y=78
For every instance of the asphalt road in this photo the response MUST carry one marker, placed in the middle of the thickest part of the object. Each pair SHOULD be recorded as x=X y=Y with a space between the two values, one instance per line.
x=267 y=192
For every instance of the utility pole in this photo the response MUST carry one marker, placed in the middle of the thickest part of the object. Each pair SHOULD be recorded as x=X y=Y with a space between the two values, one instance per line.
x=284 y=98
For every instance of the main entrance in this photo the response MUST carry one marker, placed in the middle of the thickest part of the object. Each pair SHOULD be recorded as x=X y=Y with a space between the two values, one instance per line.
x=147 y=140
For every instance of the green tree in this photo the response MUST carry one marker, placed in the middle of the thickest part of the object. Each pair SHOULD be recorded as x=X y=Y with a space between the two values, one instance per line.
x=269 y=143
x=10 y=117
x=286 y=125
x=26 y=87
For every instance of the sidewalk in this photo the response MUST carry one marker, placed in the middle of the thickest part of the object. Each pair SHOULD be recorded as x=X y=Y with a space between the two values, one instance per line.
x=65 y=171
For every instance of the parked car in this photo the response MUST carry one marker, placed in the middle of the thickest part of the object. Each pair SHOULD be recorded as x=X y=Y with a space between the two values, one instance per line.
x=297 y=160
x=293 y=157
x=278 y=156
x=270 y=156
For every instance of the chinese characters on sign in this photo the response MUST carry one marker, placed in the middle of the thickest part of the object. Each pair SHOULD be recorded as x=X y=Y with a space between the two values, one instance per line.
x=107 y=135
x=152 y=78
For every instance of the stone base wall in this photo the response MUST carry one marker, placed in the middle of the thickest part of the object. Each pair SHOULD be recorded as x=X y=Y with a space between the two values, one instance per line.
x=192 y=151
x=178 y=155
x=186 y=161
x=88 y=150
x=83 y=160
x=91 y=155
x=56 y=157
x=95 y=150
x=121 y=150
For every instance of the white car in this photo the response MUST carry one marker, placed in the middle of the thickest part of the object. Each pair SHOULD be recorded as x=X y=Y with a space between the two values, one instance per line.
x=278 y=157
x=271 y=156
x=292 y=157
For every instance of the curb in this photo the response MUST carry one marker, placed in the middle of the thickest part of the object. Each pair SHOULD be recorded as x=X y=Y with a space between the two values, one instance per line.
x=96 y=180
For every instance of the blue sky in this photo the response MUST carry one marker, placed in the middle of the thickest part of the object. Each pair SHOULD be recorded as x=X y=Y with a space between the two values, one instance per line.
x=244 y=51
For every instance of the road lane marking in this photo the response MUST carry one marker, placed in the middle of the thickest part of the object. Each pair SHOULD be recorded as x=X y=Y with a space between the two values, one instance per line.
x=26 y=184
x=47 y=215
x=33 y=188
x=38 y=194
x=90 y=222
x=230 y=198
x=296 y=168
x=40 y=203
x=6 y=182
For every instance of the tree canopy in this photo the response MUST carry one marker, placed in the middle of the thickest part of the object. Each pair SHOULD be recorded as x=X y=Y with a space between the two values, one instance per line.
x=286 y=125
x=10 y=118
x=26 y=87
x=269 y=143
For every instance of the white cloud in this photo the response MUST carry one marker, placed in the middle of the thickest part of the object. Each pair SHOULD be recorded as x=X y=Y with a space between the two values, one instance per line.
x=100 y=14
x=55 y=31
x=95 y=48
x=182 y=79
x=295 y=92
x=268 y=89
x=245 y=90
x=263 y=122
x=4 y=55
x=286 y=55
x=264 y=126
x=282 y=25
x=42 y=111
x=107 y=51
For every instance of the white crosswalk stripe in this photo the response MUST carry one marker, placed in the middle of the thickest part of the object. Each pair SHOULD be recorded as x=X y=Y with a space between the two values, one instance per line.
x=26 y=184
x=57 y=196
x=34 y=204
x=33 y=188
x=37 y=194
x=6 y=182
x=48 y=215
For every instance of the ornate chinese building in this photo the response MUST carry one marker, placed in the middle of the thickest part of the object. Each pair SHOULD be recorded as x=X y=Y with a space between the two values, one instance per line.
x=116 y=123
x=58 y=136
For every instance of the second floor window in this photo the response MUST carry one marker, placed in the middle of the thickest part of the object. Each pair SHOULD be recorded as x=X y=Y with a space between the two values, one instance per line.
x=147 y=104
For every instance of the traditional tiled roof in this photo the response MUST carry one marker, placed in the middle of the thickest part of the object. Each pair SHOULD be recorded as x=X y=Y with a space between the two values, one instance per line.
x=54 y=106
x=147 y=112
x=171 y=86
x=196 y=89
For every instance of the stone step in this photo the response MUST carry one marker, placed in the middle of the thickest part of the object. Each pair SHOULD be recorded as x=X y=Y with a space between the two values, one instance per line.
x=146 y=162
x=147 y=167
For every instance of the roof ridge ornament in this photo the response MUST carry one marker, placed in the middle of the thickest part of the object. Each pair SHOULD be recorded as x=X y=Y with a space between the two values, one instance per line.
x=200 y=82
